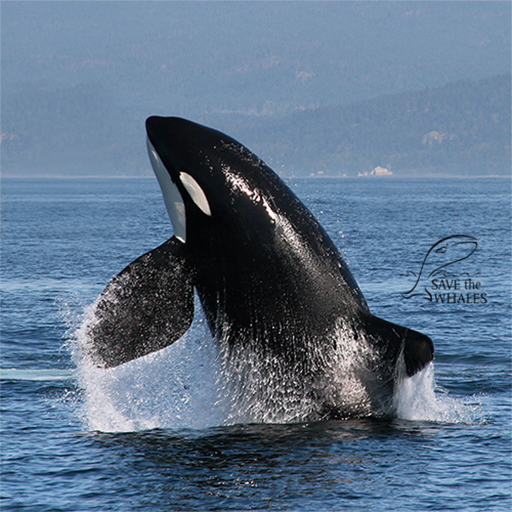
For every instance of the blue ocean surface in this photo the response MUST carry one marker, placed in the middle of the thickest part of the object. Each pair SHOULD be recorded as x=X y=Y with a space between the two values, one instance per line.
x=151 y=435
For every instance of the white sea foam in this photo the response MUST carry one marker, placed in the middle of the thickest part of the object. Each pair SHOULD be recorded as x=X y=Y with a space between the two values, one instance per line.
x=173 y=388
x=195 y=384
x=44 y=375
x=417 y=398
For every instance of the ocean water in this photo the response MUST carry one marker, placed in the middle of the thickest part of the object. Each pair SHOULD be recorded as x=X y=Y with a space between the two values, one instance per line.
x=153 y=435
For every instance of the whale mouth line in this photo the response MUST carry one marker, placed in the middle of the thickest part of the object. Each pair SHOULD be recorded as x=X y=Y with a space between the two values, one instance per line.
x=172 y=197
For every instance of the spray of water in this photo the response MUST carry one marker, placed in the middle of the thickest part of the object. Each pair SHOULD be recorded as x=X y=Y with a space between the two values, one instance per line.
x=198 y=383
x=417 y=398
x=173 y=388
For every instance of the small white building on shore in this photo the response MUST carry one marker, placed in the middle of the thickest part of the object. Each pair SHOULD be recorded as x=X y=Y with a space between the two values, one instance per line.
x=378 y=171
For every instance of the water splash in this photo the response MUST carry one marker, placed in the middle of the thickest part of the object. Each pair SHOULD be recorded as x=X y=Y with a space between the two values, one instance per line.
x=173 y=388
x=195 y=383
x=417 y=398
x=327 y=380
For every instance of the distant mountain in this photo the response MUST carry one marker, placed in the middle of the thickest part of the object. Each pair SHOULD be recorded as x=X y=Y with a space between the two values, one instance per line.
x=75 y=131
x=189 y=58
x=463 y=128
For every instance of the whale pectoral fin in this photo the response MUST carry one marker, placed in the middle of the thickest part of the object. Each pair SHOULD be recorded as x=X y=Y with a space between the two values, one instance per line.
x=391 y=339
x=145 y=308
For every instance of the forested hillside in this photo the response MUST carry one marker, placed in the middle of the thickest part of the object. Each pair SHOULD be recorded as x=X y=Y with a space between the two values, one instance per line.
x=463 y=128
x=76 y=131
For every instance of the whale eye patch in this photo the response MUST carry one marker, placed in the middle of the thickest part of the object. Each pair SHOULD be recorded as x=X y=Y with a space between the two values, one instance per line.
x=196 y=193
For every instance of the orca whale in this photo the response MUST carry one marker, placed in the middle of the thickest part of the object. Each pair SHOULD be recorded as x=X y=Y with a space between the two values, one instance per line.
x=269 y=279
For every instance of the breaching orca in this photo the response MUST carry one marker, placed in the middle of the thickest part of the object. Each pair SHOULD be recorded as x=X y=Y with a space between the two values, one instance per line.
x=270 y=280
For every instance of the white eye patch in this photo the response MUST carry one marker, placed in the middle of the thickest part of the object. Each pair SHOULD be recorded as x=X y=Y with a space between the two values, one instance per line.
x=196 y=193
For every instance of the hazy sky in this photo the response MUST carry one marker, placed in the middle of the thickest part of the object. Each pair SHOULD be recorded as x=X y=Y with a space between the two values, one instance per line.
x=189 y=58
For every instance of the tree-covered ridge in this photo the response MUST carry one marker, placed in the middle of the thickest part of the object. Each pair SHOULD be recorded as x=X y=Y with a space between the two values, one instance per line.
x=75 y=131
x=463 y=128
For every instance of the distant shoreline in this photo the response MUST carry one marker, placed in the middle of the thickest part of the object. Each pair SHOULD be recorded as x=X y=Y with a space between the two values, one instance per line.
x=323 y=177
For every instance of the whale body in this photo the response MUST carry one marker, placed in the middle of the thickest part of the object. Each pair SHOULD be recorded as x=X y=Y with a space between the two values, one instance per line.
x=269 y=279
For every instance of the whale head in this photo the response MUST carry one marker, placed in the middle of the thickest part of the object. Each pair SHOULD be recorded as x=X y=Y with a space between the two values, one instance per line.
x=213 y=186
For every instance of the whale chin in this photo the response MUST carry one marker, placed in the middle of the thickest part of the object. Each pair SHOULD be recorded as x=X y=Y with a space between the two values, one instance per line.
x=172 y=198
